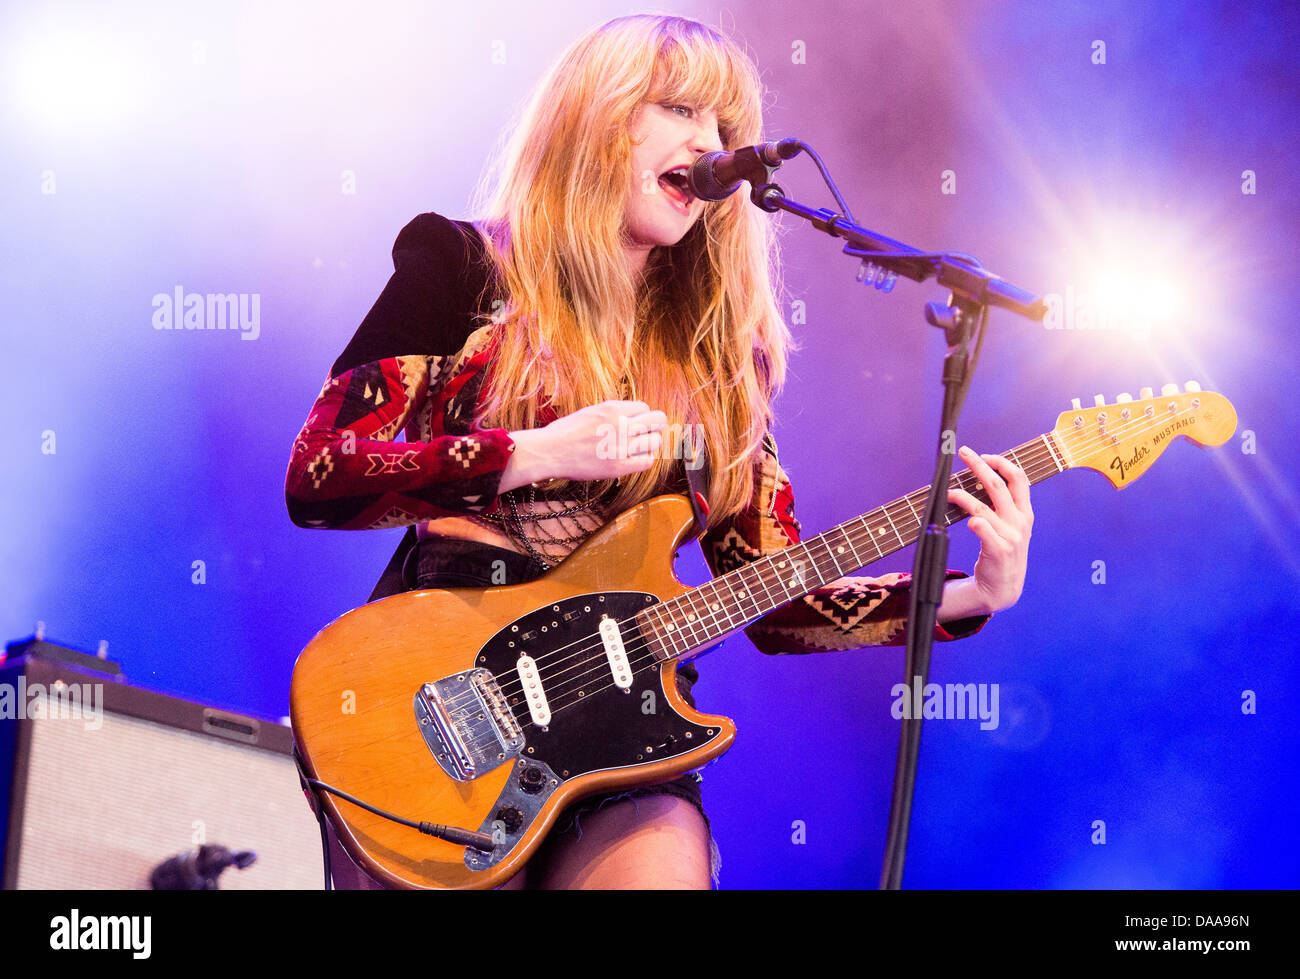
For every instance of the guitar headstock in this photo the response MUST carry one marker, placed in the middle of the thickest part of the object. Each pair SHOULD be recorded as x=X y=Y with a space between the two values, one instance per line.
x=1123 y=439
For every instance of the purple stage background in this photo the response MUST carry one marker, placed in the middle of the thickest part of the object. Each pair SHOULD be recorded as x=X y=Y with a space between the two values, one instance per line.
x=232 y=148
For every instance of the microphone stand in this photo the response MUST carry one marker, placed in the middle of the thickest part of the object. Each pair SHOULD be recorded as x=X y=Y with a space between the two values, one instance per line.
x=973 y=289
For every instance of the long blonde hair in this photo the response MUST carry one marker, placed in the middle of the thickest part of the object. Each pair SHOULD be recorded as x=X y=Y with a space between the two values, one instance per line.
x=701 y=336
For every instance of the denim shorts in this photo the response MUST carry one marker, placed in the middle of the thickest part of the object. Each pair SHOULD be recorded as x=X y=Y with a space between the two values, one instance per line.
x=449 y=562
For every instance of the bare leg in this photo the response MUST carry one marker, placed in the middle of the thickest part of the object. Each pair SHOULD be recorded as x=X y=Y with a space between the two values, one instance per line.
x=655 y=842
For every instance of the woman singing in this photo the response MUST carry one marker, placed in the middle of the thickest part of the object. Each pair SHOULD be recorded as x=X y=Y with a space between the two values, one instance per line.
x=595 y=292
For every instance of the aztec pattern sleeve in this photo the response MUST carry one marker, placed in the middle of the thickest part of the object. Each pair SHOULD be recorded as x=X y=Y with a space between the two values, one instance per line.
x=844 y=614
x=346 y=471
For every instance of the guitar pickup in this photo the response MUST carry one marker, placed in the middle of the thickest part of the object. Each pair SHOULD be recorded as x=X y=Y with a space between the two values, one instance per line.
x=534 y=693
x=615 y=653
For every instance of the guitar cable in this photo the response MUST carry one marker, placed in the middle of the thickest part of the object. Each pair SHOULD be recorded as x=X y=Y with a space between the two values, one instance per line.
x=452 y=834
x=310 y=786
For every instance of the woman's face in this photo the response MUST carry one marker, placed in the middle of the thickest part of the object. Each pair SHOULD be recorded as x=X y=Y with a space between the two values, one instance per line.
x=660 y=210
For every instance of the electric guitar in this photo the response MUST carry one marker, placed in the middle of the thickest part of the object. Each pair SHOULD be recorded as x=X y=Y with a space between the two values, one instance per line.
x=490 y=710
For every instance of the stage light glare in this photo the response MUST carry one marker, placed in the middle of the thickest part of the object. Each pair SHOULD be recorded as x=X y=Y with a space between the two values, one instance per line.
x=1135 y=297
x=71 y=82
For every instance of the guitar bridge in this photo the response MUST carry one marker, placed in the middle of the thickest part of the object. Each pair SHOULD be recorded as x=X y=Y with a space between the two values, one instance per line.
x=467 y=724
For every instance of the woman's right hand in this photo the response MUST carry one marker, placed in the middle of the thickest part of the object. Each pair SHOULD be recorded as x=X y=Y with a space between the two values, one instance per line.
x=601 y=441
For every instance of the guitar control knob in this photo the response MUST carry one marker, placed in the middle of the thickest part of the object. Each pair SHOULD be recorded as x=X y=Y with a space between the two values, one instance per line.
x=532 y=779
x=510 y=817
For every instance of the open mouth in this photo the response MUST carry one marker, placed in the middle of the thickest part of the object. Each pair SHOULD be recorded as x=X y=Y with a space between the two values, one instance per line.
x=677 y=189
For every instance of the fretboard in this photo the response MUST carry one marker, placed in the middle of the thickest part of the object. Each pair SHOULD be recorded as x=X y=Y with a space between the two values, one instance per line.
x=683 y=626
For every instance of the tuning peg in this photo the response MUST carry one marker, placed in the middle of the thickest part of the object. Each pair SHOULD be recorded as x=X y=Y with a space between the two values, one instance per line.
x=1191 y=387
x=1099 y=400
x=1123 y=398
x=1168 y=389
x=1076 y=404
x=1145 y=394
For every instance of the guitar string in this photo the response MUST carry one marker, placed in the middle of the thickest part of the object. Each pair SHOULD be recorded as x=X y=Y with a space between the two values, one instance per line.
x=1042 y=455
x=557 y=681
x=1036 y=455
x=556 y=685
x=1033 y=455
x=769 y=576
x=556 y=693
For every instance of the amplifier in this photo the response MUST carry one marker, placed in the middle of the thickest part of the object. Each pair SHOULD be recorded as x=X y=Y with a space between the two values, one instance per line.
x=100 y=782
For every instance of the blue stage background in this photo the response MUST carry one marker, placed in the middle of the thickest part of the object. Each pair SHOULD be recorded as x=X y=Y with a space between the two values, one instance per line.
x=276 y=152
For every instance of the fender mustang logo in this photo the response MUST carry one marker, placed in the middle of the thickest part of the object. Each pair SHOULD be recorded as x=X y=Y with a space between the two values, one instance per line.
x=1140 y=452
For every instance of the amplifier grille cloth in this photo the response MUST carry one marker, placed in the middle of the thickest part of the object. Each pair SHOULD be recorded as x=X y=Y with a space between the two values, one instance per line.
x=104 y=807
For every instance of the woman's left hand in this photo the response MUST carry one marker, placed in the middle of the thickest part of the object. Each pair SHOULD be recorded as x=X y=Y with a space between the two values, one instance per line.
x=1003 y=526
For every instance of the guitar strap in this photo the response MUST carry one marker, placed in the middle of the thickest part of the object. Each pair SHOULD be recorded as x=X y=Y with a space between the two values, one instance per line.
x=392 y=580
x=697 y=478
x=313 y=800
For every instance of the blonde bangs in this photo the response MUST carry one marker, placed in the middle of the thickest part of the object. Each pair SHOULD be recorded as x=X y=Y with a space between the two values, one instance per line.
x=696 y=66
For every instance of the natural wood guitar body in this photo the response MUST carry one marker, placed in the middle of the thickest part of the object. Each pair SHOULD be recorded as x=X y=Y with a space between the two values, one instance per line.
x=352 y=703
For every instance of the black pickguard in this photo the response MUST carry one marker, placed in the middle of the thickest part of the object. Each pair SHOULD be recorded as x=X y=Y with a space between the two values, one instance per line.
x=605 y=727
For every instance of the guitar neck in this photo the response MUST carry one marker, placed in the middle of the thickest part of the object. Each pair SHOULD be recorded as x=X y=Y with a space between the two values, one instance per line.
x=704 y=615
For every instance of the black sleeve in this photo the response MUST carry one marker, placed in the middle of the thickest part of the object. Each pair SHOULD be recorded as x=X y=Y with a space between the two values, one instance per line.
x=426 y=306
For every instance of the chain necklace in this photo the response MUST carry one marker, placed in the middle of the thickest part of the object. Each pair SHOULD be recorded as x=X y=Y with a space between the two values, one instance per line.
x=512 y=523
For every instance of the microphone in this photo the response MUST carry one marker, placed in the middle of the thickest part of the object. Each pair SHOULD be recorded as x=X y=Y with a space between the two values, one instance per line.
x=716 y=176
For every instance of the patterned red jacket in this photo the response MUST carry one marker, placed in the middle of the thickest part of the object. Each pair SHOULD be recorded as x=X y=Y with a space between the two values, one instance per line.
x=415 y=366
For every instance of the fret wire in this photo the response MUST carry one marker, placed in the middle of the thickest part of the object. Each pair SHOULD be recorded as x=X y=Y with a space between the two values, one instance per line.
x=819 y=573
x=748 y=575
x=675 y=633
x=769 y=570
x=689 y=624
x=789 y=561
x=758 y=573
x=902 y=532
x=709 y=622
x=853 y=550
x=924 y=494
x=754 y=577
x=724 y=605
x=665 y=615
x=712 y=621
x=1047 y=441
x=885 y=508
x=829 y=554
x=915 y=515
x=653 y=624
x=780 y=577
x=906 y=526
x=875 y=538
x=703 y=614
x=695 y=623
x=1029 y=457
x=871 y=536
